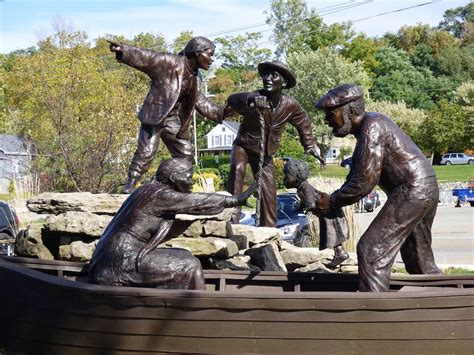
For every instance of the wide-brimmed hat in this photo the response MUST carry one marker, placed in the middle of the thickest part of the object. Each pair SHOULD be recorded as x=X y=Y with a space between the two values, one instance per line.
x=340 y=95
x=281 y=68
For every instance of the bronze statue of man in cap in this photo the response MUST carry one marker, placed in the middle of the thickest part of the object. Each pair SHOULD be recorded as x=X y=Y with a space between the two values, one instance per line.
x=384 y=155
x=167 y=109
x=127 y=253
x=255 y=142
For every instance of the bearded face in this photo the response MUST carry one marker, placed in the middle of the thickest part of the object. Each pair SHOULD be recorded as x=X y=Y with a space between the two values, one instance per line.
x=338 y=119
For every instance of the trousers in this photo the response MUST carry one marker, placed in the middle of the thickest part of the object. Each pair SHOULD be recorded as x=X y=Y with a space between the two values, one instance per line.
x=149 y=141
x=238 y=163
x=403 y=224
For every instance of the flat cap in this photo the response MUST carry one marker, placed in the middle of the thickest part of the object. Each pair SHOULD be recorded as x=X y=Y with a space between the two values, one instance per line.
x=339 y=96
x=281 y=68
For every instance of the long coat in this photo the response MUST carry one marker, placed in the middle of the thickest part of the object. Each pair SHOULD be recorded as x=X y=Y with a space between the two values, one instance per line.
x=166 y=71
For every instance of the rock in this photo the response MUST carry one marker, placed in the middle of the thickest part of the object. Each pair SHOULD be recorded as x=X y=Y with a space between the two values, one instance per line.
x=84 y=223
x=77 y=251
x=353 y=269
x=296 y=258
x=205 y=247
x=258 y=235
x=316 y=267
x=57 y=203
x=215 y=229
x=267 y=257
x=238 y=262
x=284 y=245
x=241 y=241
x=29 y=242
x=195 y=230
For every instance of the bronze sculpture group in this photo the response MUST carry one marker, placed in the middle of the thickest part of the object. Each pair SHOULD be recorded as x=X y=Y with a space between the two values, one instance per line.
x=127 y=252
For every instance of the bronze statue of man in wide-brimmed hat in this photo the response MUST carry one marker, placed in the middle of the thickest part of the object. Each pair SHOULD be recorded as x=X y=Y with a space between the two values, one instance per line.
x=265 y=113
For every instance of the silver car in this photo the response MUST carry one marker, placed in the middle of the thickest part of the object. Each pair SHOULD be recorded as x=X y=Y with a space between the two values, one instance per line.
x=456 y=158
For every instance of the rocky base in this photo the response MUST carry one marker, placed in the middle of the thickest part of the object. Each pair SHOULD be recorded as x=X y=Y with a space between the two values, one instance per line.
x=75 y=221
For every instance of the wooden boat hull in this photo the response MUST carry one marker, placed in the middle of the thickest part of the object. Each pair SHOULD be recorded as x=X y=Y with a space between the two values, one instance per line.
x=44 y=314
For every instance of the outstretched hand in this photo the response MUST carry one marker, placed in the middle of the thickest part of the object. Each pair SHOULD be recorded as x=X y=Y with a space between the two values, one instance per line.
x=242 y=198
x=115 y=46
x=314 y=151
x=322 y=205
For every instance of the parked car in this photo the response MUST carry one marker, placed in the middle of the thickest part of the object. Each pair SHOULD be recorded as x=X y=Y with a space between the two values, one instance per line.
x=290 y=219
x=456 y=158
x=346 y=163
x=9 y=225
x=369 y=203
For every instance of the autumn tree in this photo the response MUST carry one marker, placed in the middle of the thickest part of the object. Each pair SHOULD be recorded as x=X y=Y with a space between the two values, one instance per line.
x=78 y=110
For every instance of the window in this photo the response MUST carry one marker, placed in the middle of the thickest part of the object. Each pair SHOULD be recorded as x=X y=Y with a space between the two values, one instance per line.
x=223 y=129
x=229 y=139
x=217 y=141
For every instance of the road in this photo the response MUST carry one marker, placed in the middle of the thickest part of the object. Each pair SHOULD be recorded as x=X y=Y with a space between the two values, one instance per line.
x=453 y=235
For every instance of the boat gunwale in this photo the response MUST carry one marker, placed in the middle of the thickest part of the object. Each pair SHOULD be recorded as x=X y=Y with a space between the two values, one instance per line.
x=139 y=292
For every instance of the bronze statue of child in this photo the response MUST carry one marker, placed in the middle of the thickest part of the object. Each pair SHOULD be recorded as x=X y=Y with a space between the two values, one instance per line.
x=127 y=253
x=333 y=226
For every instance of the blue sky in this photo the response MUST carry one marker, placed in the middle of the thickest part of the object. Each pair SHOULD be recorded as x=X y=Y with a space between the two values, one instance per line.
x=24 y=22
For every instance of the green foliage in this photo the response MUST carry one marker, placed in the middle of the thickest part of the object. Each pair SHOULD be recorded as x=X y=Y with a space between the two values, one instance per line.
x=242 y=51
x=181 y=41
x=200 y=180
x=318 y=72
x=279 y=173
x=224 y=173
x=448 y=128
x=455 y=19
x=79 y=111
x=288 y=19
x=210 y=161
x=410 y=120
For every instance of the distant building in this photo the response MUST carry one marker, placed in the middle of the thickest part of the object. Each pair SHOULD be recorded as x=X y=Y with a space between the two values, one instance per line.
x=220 y=139
x=15 y=160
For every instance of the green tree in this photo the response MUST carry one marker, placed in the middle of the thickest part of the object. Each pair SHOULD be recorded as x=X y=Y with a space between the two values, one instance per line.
x=288 y=19
x=410 y=120
x=181 y=41
x=150 y=40
x=242 y=51
x=79 y=112
x=317 y=72
x=363 y=48
x=454 y=19
x=448 y=128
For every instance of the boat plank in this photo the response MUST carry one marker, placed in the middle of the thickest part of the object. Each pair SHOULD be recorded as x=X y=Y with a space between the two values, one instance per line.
x=139 y=343
x=251 y=328
x=89 y=313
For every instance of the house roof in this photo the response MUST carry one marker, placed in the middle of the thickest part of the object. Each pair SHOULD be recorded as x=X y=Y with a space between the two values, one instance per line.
x=232 y=125
x=12 y=145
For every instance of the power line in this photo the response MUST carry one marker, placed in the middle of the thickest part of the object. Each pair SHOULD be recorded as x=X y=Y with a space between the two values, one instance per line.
x=321 y=12
x=369 y=17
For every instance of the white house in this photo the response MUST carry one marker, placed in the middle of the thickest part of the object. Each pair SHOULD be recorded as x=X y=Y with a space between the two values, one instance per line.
x=220 y=138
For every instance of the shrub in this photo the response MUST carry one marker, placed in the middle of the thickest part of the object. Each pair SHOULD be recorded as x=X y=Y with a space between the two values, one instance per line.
x=200 y=181
x=224 y=173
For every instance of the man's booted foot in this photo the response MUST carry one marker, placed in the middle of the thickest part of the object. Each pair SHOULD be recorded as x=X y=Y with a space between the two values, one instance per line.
x=132 y=182
x=340 y=255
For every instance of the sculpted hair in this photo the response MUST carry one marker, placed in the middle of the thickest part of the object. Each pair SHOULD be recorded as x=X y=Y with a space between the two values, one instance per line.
x=357 y=107
x=197 y=45
x=297 y=168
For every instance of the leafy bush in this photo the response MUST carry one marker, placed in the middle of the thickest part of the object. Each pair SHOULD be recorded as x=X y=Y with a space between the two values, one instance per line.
x=224 y=173
x=210 y=161
x=200 y=181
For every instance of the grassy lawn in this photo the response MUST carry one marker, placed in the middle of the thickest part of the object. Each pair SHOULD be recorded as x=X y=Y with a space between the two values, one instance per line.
x=450 y=173
x=444 y=173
